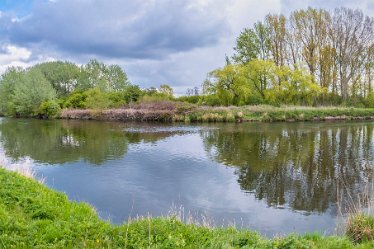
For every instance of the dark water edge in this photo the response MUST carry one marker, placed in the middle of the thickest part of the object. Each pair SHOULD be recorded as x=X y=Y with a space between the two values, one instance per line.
x=275 y=178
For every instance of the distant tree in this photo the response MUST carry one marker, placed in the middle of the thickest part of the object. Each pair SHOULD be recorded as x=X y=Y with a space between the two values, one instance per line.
x=96 y=74
x=150 y=91
x=62 y=75
x=196 y=91
x=166 y=90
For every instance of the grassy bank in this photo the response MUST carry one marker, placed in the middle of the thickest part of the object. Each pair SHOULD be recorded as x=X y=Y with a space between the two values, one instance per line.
x=181 y=112
x=33 y=216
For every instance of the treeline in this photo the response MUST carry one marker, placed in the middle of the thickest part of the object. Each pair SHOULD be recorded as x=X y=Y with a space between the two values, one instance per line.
x=312 y=57
x=42 y=90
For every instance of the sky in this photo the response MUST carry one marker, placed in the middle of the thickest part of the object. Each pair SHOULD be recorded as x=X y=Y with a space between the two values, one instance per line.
x=175 y=42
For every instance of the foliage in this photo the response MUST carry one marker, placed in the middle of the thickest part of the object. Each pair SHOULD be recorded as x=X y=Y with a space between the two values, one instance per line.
x=106 y=78
x=30 y=92
x=8 y=81
x=335 y=47
x=193 y=99
x=132 y=93
x=166 y=90
x=261 y=81
x=49 y=109
x=76 y=100
x=96 y=99
x=62 y=75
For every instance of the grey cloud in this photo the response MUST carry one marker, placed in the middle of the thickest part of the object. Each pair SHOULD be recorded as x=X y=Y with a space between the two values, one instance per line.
x=120 y=29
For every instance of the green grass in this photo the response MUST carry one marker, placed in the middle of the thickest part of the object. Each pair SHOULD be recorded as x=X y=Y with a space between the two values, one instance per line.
x=33 y=216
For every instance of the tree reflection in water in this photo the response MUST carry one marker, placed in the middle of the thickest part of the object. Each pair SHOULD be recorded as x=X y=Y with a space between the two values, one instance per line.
x=62 y=141
x=301 y=166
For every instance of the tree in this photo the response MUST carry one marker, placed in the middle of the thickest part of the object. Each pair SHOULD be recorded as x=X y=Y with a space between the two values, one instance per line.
x=29 y=92
x=62 y=75
x=276 y=25
x=353 y=34
x=252 y=44
x=311 y=31
x=166 y=90
x=107 y=78
x=260 y=76
x=228 y=84
x=7 y=86
x=336 y=48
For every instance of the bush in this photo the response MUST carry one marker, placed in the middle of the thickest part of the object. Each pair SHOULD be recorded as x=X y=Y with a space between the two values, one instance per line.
x=96 y=99
x=211 y=100
x=132 y=93
x=116 y=99
x=189 y=99
x=76 y=101
x=50 y=109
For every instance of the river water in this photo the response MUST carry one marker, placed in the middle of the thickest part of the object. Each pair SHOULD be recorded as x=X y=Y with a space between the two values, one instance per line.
x=275 y=178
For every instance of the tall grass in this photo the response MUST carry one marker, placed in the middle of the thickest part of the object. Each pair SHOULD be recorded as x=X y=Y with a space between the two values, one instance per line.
x=358 y=214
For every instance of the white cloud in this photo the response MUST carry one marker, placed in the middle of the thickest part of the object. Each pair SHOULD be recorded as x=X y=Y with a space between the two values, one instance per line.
x=13 y=56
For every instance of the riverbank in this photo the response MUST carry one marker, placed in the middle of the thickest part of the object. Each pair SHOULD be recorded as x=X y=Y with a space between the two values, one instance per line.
x=33 y=216
x=181 y=112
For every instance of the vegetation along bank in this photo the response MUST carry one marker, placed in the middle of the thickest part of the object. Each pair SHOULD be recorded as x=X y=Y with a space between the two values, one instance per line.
x=33 y=216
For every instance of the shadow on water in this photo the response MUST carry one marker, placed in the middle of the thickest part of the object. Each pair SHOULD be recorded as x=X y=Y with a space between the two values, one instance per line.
x=301 y=166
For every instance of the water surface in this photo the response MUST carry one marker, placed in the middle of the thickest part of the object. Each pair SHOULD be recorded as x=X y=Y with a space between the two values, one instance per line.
x=274 y=178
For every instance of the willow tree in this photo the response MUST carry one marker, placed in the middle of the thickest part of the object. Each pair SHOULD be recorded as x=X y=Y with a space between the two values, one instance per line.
x=228 y=84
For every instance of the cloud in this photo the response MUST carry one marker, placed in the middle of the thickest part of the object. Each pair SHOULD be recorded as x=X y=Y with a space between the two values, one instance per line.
x=13 y=56
x=119 y=29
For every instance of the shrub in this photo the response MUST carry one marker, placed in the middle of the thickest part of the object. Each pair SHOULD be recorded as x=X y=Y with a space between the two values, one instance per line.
x=132 y=93
x=211 y=100
x=76 y=101
x=50 y=108
x=116 y=99
x=189 y=99
x=96 y=99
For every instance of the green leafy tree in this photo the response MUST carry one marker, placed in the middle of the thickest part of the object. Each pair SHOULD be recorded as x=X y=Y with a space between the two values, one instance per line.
x=62 y=75
x=7 y=86
x=252 y=44
x=228 y=84
x=29 y=92
x=106 y=78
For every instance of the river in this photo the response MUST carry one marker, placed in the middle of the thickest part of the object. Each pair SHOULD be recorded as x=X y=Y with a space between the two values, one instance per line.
x=274 y=178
